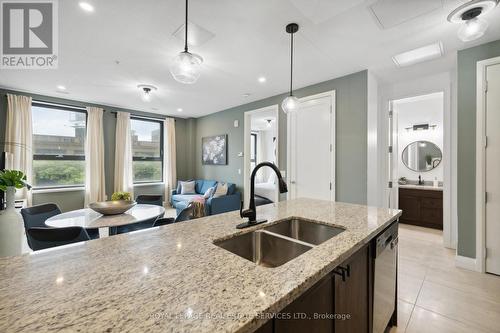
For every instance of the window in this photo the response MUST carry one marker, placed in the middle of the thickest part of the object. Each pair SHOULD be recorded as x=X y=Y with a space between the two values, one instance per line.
x=58 y=145
x=253 y=150
x=147 y=150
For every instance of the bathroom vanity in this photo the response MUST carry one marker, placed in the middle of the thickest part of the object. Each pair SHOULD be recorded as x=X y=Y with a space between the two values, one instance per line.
x=421 y=205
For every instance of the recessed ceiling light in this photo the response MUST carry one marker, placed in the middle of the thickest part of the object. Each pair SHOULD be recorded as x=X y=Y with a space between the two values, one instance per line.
x=421 y=54
x=179 y=110
x=86 y=6
x=262 y=79
x=61 y=87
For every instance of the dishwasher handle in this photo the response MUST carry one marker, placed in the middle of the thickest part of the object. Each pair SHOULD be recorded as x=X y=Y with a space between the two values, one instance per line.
x=394 y=243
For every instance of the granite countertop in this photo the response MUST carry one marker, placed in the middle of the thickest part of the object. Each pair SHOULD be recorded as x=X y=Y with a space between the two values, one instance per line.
x=422 y=187
x=173 y=278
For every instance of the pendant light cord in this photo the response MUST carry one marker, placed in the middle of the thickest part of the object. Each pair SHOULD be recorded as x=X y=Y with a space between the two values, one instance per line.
x=186 y=30
x=291 y=65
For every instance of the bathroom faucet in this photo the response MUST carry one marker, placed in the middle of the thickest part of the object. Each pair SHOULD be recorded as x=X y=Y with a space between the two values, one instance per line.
x=251 y=212
x=420 y=180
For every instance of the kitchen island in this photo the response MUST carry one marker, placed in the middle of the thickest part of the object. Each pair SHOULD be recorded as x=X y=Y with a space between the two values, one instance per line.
x=174 y=278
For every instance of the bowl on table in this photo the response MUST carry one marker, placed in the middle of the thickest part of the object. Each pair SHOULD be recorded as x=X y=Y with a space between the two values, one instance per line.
x=112 y=207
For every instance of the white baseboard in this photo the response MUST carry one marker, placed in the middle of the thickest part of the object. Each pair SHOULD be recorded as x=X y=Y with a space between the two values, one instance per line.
x=466 y=263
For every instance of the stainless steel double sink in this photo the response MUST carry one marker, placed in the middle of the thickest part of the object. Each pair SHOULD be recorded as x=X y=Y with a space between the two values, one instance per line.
x=279 y=243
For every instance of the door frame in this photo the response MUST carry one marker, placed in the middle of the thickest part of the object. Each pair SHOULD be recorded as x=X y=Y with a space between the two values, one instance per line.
x=441 y=82
x=247 y=130
x=332 y=96
x=481 y=161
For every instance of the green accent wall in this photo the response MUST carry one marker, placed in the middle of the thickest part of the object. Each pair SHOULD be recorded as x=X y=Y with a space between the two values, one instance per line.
x=70 y=200
x=466 y=168
x=351 y=136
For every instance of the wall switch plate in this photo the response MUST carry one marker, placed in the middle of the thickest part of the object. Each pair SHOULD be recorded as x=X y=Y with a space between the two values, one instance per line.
x=240 y=154
x=239 y=171
x=236 y=123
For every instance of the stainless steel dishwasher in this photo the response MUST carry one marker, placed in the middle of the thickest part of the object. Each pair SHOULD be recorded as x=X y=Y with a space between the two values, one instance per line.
x=384 y=299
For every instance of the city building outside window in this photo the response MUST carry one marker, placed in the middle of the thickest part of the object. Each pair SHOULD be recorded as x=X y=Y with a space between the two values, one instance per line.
x=147 y=150
x=58 y=145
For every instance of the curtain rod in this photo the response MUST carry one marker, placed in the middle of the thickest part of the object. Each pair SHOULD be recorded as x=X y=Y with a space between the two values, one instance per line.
x=143 y=117
x=36 y=101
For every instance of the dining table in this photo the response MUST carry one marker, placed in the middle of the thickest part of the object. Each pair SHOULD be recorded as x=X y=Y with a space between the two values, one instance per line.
x=106 y=224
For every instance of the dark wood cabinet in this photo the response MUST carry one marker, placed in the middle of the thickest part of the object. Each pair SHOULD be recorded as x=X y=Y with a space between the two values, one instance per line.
x=333 y=304
x=311 y=312
x=352 y=300
x=421 y=207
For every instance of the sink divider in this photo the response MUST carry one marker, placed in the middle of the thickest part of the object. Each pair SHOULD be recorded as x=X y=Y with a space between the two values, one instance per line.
x=286 y=237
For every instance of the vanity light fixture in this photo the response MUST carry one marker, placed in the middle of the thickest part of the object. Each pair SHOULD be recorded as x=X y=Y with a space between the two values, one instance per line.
x=420 y=127
x=186 y=66
x=468 y=15
x=291 y=103
x=147 y=89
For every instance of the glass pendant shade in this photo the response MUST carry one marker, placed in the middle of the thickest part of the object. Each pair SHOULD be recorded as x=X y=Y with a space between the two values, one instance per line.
x=290 y=104
x=472 y=29
x=186 y=67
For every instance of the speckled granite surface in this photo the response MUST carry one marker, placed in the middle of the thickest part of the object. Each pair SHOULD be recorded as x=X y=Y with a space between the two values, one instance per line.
x=173 y=279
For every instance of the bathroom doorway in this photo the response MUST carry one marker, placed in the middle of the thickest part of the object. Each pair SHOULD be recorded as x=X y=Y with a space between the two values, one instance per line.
x=419 y=160
x=261 y=145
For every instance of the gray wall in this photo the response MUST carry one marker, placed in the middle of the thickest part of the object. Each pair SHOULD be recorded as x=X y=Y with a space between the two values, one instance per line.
x=466 y=108
x=351 y=136
x=70 y=200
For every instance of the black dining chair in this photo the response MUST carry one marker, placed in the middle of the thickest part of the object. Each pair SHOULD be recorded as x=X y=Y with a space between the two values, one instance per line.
x=185 y=215
x=44 y=238
x=36 y=216
x=147 y=199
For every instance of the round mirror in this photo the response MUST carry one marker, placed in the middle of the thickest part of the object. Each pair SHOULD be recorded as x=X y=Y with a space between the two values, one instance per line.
x=421 y=156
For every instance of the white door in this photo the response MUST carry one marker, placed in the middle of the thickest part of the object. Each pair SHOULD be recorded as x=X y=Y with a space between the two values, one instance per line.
x=493 y=169
x=312 y=148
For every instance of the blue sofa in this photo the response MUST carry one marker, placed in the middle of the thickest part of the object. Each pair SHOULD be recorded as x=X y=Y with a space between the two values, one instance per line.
x=213 y=206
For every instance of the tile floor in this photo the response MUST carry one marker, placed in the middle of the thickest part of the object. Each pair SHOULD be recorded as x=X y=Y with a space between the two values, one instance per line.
x=436 y=296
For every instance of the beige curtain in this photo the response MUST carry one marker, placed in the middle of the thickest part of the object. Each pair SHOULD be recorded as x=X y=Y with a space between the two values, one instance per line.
x=95 y=189
x=19 y=140
x=169 y=157
x=123 y=155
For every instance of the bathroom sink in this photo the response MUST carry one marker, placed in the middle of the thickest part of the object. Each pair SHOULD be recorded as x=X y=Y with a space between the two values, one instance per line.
x=304 y=230
x=264 y=249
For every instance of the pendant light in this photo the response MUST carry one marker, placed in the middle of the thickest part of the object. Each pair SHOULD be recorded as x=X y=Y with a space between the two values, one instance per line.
x=468 y=15
x=186 y=66
x=291 y=103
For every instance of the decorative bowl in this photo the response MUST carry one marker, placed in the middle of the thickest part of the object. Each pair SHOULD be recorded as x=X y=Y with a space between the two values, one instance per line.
x=112 y=207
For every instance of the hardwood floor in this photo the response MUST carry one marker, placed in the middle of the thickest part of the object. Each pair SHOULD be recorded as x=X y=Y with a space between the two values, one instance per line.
x=436 y=296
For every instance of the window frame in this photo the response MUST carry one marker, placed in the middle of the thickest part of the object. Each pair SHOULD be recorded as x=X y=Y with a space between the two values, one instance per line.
x=59 y=157
x=145 y=158
x=255 y=135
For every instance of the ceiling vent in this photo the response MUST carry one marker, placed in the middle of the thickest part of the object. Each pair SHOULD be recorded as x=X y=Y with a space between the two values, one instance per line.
x=197 y=35
x=391 y=13
x=319 y=11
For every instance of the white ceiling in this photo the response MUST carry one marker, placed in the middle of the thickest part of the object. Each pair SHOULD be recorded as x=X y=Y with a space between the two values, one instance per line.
x=336 y=37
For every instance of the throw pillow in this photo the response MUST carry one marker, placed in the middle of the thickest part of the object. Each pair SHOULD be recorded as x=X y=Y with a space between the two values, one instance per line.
x=188 y=187
x=179 y=185
x=209 y=192
x=220 y=190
